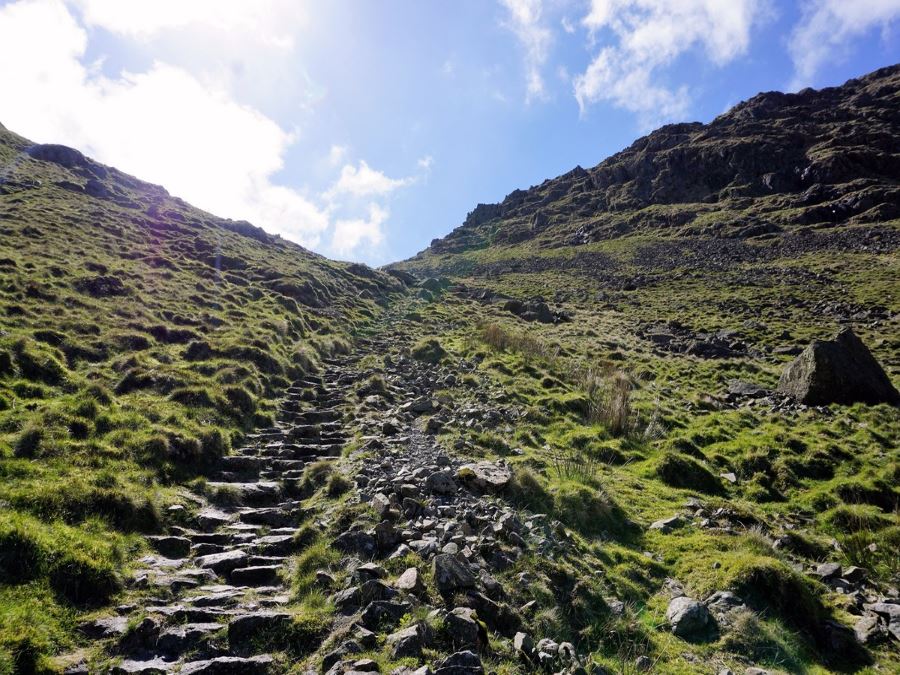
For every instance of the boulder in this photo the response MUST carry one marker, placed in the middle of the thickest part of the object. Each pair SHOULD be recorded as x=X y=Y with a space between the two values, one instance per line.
x=485 y=476
x=690 y=619
x=407 y=642
x=440 y=483
x=460 y=663
x=842 y=370
x=410 y=581
x=450 y=574
x=462 y=628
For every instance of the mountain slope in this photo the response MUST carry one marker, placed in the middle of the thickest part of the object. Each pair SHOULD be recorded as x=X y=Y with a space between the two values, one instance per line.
x=775 y=163
x=140 y=338
x=630 y=323
x=220 y=452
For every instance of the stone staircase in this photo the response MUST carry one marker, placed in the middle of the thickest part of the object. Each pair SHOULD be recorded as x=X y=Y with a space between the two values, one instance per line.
x=215 y=589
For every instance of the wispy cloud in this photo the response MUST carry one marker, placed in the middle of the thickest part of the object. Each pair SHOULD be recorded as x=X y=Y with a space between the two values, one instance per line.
x=642 y=37
x=526 y=21
x=364 y=181
x=337 y=153
x=827 y=28
x=350 y=234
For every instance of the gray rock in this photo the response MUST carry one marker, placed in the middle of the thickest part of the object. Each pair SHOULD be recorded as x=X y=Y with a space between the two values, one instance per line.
x=347 y=599
x=410 y=581
x=223 y=563
x=666 y=525
x=462 y=628
x=248 y=627
x=841 y=370
x=171 y=547
x=441 y=483
x=154 y=666
x=870 y=630
x=374 y=589
x=460 y=663
x=450 y=574
x=828 y=571
x=523 y=644
x=360 y=543
x=98 y=629
x=229 y=665
x=384 y=612
x=407 y=642
x=690 y=620
x=486 y=476
x=177 y=639
x=257 y=575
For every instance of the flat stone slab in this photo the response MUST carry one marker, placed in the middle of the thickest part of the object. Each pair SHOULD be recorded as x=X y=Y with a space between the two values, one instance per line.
x=155 y=666
x=485 y=476
x=222 y=563
x=230 y=665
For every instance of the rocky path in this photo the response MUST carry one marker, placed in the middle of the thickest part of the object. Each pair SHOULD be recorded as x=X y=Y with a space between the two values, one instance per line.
x=418 y=580
x=422 y=582
x=215 y=589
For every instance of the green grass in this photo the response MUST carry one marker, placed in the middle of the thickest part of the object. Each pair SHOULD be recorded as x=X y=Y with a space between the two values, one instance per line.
x=140 y=340
x=804 y=478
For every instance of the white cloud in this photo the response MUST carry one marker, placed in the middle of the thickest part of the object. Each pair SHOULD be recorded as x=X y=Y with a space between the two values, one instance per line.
x=349 y=235
x=647 y=36
x=525 y=20
x=826 y=28
x=270 y=21
x=364 y=181
x=163 y=125
x=337 y=153
x=425 y=163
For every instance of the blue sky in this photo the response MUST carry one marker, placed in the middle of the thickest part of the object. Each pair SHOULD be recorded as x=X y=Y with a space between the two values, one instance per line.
x=365 y=129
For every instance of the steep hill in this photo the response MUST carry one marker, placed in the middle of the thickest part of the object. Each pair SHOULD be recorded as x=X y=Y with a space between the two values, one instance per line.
x=140 y=339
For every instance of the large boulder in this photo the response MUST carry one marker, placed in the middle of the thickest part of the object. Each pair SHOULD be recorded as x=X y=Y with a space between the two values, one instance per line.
x=485 y=476
x=842 y=370
x=690 y=620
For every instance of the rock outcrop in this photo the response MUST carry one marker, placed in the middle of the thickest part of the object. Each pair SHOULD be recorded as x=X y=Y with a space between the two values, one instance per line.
x=841 y=370
x=770 y=165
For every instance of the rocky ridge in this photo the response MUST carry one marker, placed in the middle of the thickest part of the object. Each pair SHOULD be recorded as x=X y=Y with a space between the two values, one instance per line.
x=771 y=166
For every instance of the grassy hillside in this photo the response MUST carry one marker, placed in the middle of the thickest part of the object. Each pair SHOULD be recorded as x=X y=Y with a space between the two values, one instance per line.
x=609 y=341
x=139 y=339
x=638 y=316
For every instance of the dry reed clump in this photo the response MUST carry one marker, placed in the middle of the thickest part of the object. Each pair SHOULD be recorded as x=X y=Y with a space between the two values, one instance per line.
x=608 y=389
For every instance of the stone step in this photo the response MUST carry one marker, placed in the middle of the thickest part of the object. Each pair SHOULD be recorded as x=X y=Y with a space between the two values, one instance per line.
x=200 y=550
x=281 y=465
x=272 y=517
x=258 y=575
x=176 y=640
x=222 y=563
x=181 y=613
x=243 y=462
x=261 y=664
x=273 y=544
x=210 y=518
x=209 y=537
x=260 y=493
